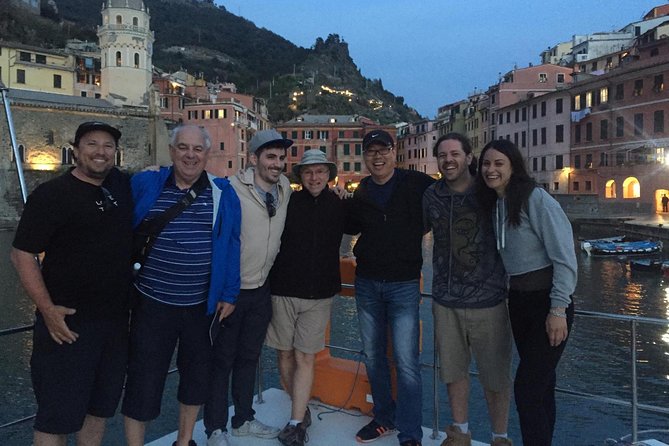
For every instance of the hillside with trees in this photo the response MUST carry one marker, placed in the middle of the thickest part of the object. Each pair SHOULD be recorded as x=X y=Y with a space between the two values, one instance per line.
x=206 y=40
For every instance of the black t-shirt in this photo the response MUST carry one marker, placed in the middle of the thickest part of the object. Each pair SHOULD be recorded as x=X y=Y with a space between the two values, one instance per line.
x=85 y=232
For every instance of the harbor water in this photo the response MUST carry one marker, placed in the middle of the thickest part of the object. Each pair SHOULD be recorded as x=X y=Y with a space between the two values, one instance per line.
x=596 y=360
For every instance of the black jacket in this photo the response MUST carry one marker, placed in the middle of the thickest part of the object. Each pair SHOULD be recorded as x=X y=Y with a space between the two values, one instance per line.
x=389 y=246
x=307 y=265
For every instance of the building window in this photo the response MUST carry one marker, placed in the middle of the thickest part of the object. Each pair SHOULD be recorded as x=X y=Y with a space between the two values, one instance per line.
x=654 y=52
x=135 y=21
x=24 y=57
x=588 y=186
x=517 y=114
x=588 y=99
x=347 y=166
x=588 y=161
x=543 y=163
x=40 y=58
x=559 y=133
x=323 y=134
x=307 y=134
x=347 y=149
x=638 y=123
x=534 y=137
x=524 y=114
x=658 y=83
x=136 y=60
x=577 y=161
x=523 y=139
x=577 y=102
x=556 y=186
x=559 y=162
x=638 y=87
x=84 y=94
x=358 y=149
x=560 y=78
x=293 y=151
x=588 y=132
x=119 y=20
x=604 y=129
x=558 y=106
x=535 y=162
x=620 y=92
x=164 y=102
x=543 y=77
x=357 y=167
x=658 y=121
x=57 y=81
x=543 y=135
x=534 y=111
x=323 y=149
x=20 y=76
x=543 y=108
x=118 y=58
x=620 y=126
x=340 y=134
x=604 y=95
x=508 y=117
x=577 y=133
x=66 y=156
x=221 y=145
x=575 y=186
x=22 y=154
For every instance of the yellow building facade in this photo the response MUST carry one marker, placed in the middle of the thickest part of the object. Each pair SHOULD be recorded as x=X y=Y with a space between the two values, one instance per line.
x=31 y=68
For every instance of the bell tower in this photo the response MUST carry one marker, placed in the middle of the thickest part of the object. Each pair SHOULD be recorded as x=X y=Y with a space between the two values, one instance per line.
x=126 y=47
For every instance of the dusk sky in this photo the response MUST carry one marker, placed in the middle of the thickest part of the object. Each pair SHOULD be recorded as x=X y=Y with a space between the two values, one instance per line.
x=434 y=52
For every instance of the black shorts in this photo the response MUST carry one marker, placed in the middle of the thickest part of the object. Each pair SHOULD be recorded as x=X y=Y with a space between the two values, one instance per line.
x=154 y=332
x=85 y=377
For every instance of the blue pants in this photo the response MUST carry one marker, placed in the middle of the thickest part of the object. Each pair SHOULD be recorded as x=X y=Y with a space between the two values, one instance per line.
x=382 y=305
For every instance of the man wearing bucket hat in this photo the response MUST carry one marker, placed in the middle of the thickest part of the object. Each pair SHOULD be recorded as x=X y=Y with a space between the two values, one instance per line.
x=301 y=302
x=263 y=193
x=81 y=220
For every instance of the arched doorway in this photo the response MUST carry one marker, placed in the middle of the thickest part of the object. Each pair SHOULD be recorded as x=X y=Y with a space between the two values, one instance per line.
x=631 y=188
x=610 y=191
x=658 y=200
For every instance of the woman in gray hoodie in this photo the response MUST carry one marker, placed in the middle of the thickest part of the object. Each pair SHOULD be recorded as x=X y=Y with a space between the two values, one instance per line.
x=535 y=241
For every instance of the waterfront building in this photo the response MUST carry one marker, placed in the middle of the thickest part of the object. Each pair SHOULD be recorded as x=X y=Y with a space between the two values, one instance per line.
x=476 y=115
x=338 y=136
x=26 y=67
x=620 y=142
x=415 y=143
x=450 y=118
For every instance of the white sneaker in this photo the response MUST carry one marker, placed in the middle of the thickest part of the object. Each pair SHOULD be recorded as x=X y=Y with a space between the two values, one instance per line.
x=219 y=438
x=256 y=429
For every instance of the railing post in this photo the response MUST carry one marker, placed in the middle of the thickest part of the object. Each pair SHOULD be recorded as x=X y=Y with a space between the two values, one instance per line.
x=635 y=401
x=435 y=388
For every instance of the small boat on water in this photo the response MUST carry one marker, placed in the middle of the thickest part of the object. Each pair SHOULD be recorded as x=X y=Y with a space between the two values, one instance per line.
x=649 y=265
x=640 y=247
x=586 y=244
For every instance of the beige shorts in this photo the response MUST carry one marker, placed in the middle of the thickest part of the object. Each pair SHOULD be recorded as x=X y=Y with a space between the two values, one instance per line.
x=483 y=332
x=298 y=324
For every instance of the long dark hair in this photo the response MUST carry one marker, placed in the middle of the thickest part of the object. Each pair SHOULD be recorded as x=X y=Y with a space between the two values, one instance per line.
x=518 y=189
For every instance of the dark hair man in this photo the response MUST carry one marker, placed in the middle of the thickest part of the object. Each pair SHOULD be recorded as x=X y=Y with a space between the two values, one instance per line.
x=469 y=292
x=386 y=210
x=191 y=271
x=304 y=279
x=81 y=221
x=264 y=192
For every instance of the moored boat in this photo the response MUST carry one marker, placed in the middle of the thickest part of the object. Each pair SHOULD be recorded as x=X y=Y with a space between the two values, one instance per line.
x=641 y=247
x=649 y=265
x=586 y=244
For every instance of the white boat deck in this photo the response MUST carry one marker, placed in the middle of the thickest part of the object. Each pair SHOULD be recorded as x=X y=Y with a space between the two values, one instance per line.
x=329 y=426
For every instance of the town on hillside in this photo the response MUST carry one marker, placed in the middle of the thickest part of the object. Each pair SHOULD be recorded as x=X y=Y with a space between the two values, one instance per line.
x=591 y=117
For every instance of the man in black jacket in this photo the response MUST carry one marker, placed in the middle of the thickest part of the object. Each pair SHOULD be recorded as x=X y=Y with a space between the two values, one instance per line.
x=386 y=211
x=304 y=279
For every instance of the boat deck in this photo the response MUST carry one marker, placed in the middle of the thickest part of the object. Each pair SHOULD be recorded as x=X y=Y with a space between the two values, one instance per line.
x=330 y=427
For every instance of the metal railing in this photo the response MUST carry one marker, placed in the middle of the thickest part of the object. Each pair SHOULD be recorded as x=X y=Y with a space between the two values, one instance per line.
x=633 y=403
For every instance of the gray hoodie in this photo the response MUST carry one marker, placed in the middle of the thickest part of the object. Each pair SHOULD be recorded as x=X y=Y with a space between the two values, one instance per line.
x=543 y=238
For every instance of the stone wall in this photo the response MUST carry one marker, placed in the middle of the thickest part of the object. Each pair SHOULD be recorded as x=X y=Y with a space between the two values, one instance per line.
x=591 y=206
x=45 y=131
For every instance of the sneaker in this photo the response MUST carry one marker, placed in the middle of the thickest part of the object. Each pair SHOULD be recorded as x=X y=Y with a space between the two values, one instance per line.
x=219 y=438
x=306 y=421
x=255 y=428
x=190 y=443
x=410 y=443
x=292 y=435
x=373 y=431
x=500 y=441
x=455 y=437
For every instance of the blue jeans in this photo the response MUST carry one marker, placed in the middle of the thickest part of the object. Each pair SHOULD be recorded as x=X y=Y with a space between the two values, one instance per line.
x=382 y=305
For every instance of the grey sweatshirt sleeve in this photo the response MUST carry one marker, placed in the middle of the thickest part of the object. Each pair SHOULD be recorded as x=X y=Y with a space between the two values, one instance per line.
x=554 y=229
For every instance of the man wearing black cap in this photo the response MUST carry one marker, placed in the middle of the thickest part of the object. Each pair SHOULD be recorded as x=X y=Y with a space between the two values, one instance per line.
x=387 y=213
x=81 y=221
x=263 y=193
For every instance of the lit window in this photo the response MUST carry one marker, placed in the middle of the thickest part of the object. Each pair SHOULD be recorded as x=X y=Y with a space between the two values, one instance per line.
x=604 y=95
x=543 y=77
x=610 y=190
x=577 y=102
x=588 y=99
x=631 y=188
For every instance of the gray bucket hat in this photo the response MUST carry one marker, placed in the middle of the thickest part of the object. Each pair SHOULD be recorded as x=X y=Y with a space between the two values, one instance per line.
x=315 y=156
x=269 y=137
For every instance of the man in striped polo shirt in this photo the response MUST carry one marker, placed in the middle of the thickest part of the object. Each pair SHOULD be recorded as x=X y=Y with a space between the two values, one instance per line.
x=191 y=271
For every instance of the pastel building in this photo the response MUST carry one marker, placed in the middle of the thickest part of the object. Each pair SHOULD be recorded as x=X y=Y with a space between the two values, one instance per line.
x=415 y=146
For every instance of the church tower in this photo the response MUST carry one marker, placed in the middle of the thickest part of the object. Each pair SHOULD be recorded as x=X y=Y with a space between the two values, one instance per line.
x=126 y=46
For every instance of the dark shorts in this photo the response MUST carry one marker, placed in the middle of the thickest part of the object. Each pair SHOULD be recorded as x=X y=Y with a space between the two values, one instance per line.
x=154 y=332
x=85 y=377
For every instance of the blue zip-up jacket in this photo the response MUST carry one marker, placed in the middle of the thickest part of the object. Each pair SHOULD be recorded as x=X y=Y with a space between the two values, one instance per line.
x=225 y=257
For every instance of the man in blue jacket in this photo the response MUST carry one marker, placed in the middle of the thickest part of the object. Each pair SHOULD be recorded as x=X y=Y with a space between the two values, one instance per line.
x=191 y=272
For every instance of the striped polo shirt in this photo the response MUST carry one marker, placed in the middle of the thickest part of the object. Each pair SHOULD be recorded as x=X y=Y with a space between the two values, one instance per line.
x=178 y=268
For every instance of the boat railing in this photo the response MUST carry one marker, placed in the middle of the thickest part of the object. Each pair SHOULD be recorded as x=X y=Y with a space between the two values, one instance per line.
x=633 y=403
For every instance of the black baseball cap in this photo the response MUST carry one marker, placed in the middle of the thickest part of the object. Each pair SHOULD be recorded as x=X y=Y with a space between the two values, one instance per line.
x=92 y=126
x=377 y=137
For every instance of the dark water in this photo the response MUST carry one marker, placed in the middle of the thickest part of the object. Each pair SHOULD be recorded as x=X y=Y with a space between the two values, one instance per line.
x=596 y=359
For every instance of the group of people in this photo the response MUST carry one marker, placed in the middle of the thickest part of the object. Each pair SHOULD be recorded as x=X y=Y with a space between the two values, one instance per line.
x=219 y=267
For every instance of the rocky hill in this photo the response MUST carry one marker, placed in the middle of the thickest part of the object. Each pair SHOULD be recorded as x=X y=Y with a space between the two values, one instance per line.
x=206 y=39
